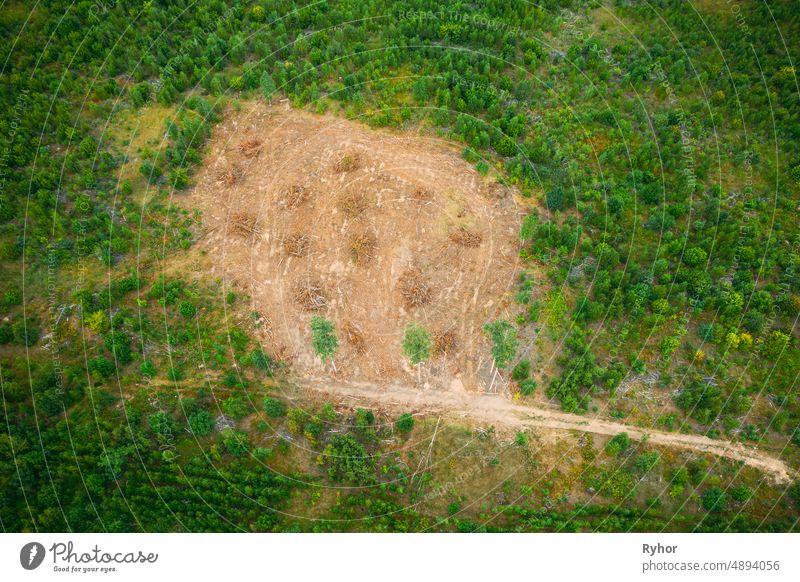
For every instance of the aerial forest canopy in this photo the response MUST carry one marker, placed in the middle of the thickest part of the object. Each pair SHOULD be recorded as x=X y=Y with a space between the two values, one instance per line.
x=349 y=265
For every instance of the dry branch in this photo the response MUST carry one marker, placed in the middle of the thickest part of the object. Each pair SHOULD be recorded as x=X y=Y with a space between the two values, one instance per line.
x=414 y=289
x=295 y=196
x=250 y=148
x=444 y=343
x=422 y=194
x=347 y=162
x=310 y=296
x=353 y=204
x=296 y=244
x=355 y=338
x=465 y=237
x=362 y=247
x=244 y=224
x=229 y=176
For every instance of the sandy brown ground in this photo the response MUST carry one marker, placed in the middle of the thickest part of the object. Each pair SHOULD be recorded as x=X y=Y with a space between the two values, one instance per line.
x=374 y=230
x=504 y=413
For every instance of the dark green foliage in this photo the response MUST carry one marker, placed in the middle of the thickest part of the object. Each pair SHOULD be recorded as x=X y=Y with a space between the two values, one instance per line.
x=163 y=426
x=504 y=341
x=236 y=407
x=6 y=333
x=405 y=423
x=273 y=407
x=260 y=360
x=702 y=400
x=527 y=387
x=201 y=422
x=741 y=494
x=148 y=369
x=236 y=441
x=347 y=460
x=618 y=444
x=555 y=200
x=646 y=461
x=714 y=499
x=26 y=332
x=101 y=366
x=187 y=309
x=521 y=371
x=119 y=344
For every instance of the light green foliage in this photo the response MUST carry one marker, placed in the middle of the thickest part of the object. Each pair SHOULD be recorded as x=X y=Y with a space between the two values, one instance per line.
x=504 y=341
x=347 y=460
x=98 y=322
x=323 y=338
x=417 y=344
x=618 y=444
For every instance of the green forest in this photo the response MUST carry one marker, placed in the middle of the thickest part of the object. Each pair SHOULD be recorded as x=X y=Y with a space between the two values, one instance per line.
x=655 y=147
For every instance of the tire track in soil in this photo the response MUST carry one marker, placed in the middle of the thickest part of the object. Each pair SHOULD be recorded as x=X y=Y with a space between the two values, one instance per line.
x=499 y=411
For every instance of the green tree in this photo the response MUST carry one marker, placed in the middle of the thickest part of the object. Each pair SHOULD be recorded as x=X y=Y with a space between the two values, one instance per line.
x=268 y=87
x=235 y=407
x=201 y=422
x=26 y=332
x=273 y=407
x=405 y=423
x=347 y=460
x=618 y=444
x=417 y=345
x=323 y=339
x=714 y=500
x=504 y=344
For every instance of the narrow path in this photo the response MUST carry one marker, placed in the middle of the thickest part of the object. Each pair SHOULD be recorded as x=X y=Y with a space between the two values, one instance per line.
x=499 y=411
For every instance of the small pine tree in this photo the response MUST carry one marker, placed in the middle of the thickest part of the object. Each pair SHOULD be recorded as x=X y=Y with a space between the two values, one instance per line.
x=323 y=339
x=417 y=345
x=504 y=344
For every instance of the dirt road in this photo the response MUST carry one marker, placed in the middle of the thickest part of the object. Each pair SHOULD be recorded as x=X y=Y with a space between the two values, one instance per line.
x=501 y=412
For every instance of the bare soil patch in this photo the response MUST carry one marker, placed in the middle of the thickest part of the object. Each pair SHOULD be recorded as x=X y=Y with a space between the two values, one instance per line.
x=316 y=215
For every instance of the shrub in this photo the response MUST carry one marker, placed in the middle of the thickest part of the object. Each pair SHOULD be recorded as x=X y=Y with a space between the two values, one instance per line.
x=646 y=461
x=25 y=332
x=521 y=371
x=119 y=344
x=175 y=374
x=741 y=494
x=347 y=460
x=162 y=425
x=262 y=453
x=554 y=200
x=261 y=361
x=235 y=441
x=405 y=423
x=101 y=366
x=235 y=407
x=618 y=444
x=273 y=408
x=527 y=387
x=148 y=369
x=201 y=422
x=714 y=500
x=98 y=322
x=187 y=309
x=6 y=334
